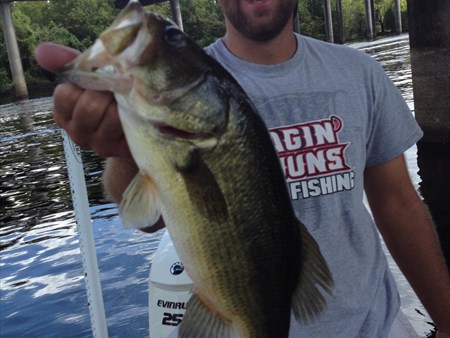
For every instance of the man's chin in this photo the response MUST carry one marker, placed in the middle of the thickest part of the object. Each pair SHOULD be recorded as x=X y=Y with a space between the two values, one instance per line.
x=262 y=33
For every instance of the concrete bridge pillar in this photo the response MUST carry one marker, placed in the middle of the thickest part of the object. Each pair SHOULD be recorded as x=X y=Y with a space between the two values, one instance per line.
x=429 y=30
x=398 y=17
x=15 y=63
x=329 y=35
x=370 y=20
x=340 y=22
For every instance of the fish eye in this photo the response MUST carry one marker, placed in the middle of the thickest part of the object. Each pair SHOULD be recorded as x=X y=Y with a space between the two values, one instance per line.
x=175 y=37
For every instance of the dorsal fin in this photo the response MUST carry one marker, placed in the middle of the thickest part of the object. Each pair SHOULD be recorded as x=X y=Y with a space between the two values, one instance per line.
x=307 y=300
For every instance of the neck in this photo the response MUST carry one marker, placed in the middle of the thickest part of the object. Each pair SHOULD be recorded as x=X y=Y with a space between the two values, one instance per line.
x=275 y=51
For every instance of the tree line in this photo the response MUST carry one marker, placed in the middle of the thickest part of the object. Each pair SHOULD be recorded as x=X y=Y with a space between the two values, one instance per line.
x=77 y=23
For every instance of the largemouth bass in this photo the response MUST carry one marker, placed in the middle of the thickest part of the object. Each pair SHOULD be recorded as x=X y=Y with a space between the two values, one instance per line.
x=209 y=168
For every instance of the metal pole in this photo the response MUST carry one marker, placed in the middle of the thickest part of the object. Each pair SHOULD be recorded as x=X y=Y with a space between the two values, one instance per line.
x=369 y=22
x=86 y=237
x=13 y=52
x=398 y=17
x=176 y=13
x=328 y=21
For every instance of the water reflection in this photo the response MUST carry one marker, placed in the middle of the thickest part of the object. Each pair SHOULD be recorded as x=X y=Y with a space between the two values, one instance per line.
x=395 y=58
x=33 y=174
x=40 y=265
x=32 y=178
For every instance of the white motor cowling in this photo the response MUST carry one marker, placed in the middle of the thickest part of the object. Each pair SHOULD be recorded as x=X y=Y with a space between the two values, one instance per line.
x=169 y=290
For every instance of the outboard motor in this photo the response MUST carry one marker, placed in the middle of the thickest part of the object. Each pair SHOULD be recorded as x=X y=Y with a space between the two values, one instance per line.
x=169 y=290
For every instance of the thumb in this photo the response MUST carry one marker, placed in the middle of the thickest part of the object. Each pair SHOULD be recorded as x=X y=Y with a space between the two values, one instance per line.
x=53 y=57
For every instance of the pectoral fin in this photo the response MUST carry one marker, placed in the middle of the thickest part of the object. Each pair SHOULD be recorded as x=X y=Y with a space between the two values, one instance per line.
x=200 y=322
x=307 y=300
x=140 y=205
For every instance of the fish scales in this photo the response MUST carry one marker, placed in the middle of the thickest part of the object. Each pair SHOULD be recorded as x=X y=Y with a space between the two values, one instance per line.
x=208 y=167
x=247 y=261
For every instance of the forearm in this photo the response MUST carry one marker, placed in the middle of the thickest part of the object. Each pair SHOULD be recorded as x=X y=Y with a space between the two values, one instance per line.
x=408 y=232
x=411 y=239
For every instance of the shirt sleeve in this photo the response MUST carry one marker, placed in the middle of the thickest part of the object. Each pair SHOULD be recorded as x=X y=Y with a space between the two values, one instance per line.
x=392 y=126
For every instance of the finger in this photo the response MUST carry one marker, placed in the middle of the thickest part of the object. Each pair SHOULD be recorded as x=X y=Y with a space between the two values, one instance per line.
x=90 y=110
x=65 y=98
x=53 y=57
x=109 y=138
x=115 y=148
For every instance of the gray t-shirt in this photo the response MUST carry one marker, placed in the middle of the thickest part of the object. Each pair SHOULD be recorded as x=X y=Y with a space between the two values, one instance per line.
x=332 y=112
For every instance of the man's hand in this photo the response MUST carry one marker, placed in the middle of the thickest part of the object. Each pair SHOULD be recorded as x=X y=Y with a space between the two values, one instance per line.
x=90 y=118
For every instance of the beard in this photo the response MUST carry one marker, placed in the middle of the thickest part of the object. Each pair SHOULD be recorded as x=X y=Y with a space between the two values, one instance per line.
x=261 y=25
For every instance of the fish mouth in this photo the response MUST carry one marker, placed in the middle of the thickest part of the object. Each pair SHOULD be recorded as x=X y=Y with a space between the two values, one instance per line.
x=99 y=79
x=173 y=132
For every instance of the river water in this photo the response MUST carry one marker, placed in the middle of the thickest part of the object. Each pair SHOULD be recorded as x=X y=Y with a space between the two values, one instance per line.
x=42 y=288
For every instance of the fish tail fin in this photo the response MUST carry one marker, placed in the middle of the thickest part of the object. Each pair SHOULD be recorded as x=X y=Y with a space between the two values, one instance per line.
x=307 y=300
x=140 y=205
x=200 y=322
